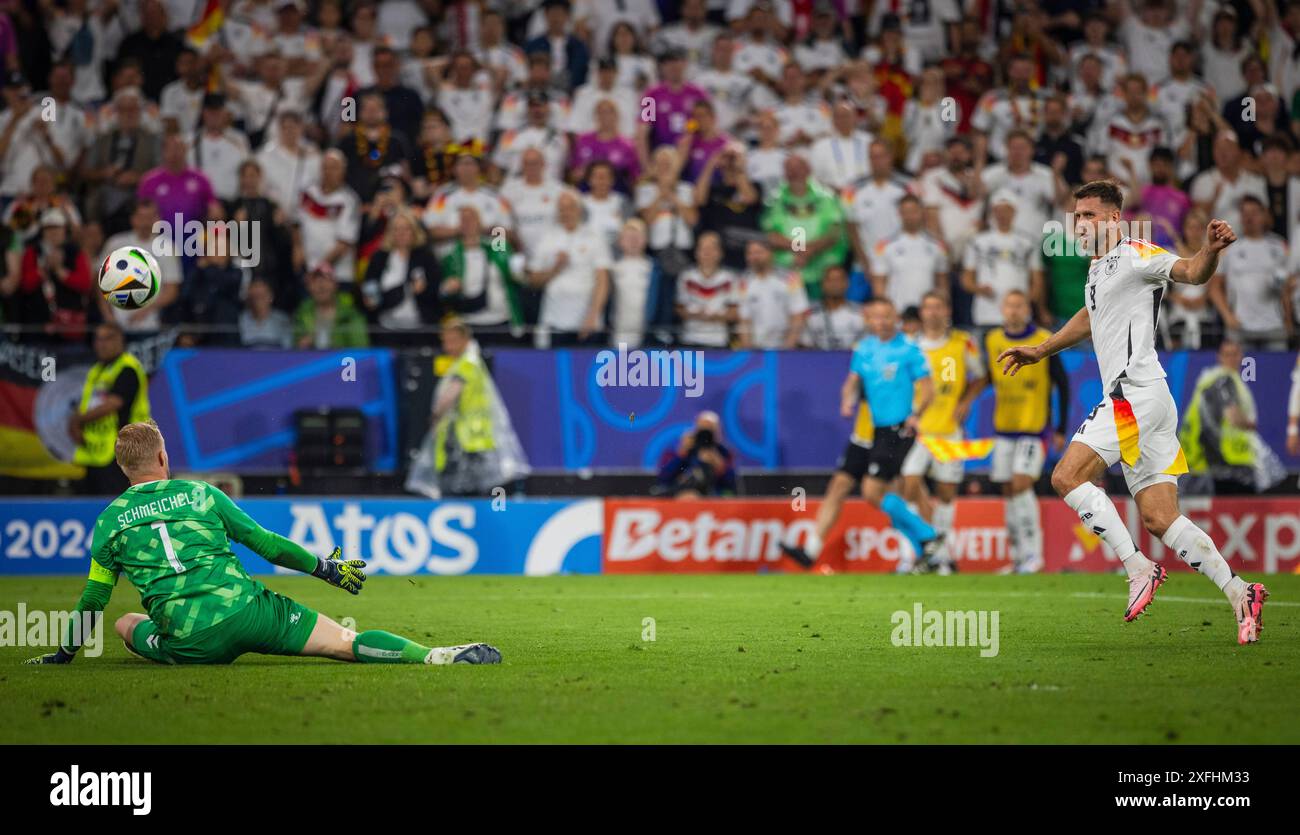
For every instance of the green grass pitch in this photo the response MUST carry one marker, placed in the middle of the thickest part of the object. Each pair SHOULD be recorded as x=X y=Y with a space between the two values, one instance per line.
x=766 y=658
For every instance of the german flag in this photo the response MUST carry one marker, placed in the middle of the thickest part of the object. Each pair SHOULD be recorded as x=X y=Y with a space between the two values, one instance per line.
x=945 y=450
x=214 y=15
x=23 y=453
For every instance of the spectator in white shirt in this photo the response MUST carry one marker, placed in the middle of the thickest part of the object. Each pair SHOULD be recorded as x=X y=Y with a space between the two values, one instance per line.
x=774 y=304
x=632 y=286
x=571 y=268
x=840 y=158
x=290 y=163
x=182 y=100
x=218 y=149
x=834 y=323
x=329 y=221
x=910 y=263
x=1219 y=190
x=1000 y=260
x=1249 y=288
x=706 y=296
x=1037 y=188
x=606 y=208
x=929 y=120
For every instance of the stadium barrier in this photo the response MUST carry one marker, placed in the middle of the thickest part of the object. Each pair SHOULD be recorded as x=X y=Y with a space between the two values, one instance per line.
x=575 y=410
x=519 y=536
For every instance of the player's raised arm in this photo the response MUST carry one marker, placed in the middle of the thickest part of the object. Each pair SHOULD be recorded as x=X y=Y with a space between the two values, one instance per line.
x=1202 y=266
x=90 y=607
x=278 y=550
x=1075 y=331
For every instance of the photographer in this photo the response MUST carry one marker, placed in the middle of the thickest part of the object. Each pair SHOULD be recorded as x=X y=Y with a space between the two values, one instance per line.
x=700 y=466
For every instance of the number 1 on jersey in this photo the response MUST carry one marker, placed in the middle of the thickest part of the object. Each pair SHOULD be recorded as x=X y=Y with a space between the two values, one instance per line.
x=161 y=528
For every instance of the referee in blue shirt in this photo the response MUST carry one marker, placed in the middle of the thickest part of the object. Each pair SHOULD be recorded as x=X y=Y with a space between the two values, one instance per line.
x=891 y=373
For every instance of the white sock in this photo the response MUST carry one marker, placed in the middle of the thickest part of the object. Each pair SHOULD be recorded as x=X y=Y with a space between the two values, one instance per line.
x=813 y=547
x=1195 y=547
x=943 y=516
x=1031 y=528
x=942 y=523
x=1015 y=546
x=1097 y=512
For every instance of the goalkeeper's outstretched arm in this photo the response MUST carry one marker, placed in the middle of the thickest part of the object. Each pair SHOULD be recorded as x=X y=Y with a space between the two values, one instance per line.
x=284 y=552
x=85 y=615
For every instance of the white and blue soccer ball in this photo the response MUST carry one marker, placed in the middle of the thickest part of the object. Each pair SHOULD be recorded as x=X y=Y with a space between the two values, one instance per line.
x=129 y=278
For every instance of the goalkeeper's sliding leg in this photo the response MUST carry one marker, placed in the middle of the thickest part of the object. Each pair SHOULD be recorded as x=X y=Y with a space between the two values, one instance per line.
x=375 y=646
x=277 y=625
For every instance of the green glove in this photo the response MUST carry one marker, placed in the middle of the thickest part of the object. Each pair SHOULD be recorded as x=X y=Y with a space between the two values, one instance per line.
x=346 y=574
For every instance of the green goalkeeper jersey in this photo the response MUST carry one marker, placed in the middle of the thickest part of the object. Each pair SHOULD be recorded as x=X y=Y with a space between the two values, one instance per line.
x=172 y=540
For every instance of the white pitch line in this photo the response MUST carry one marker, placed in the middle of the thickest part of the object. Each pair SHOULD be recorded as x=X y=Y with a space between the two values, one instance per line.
x=1171 y=599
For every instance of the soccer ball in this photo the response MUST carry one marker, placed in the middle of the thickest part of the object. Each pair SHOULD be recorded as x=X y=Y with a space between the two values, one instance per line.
x=129 y=278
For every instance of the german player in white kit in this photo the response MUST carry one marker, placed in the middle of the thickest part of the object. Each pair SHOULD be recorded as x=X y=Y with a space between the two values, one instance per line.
x=1137 y=422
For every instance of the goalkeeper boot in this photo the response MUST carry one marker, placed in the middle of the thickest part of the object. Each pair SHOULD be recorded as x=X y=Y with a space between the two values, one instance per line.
x=464 y=654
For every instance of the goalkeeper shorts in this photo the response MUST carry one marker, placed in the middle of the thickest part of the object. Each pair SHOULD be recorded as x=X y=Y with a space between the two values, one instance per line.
x=271 y=624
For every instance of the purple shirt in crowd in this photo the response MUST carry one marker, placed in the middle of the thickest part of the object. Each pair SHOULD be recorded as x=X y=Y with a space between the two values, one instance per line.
x=187 y=193
x=8 y=39
x=1167 y=206
x=701 y=151
x=672 y=111
x=618 y=151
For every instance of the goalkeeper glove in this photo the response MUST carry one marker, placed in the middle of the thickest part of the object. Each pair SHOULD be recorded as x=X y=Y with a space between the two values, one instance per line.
x=60 y=657
x=346 y=574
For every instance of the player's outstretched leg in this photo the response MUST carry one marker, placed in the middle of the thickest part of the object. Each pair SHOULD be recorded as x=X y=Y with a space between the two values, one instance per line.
x=1072 y=480
x=330 y=640
x=828 y=514
x=1158 y=504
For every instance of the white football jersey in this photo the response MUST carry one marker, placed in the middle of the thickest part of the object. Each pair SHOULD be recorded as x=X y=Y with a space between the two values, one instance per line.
x=1254 y=274
x=1004 y=261
x=1123 y=295
x=909 y=263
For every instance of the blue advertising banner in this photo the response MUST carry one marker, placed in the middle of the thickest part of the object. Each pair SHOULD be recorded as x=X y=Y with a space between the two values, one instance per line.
x=779 y=409
x=231 y=409
x=394 y=536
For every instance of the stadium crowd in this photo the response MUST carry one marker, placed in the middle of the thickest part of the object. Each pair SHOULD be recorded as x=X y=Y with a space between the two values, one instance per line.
x=706 y=172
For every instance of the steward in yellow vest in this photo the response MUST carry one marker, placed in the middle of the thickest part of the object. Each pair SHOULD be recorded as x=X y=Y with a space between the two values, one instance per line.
x=116 y=393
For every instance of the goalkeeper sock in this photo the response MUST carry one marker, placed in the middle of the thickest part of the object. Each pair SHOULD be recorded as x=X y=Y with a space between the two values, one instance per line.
x=1195 y=547
x=376 y=646
x=1098 y=514
x=906 y=522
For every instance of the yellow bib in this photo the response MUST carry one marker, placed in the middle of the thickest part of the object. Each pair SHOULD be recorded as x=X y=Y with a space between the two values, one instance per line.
x=1023 y=403
x=949 y=374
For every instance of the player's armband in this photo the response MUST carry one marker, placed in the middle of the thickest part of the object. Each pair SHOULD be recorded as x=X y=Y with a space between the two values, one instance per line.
x=100 y=574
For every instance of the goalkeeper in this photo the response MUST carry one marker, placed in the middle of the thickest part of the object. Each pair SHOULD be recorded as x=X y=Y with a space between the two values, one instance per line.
x=171 y=538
